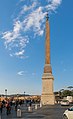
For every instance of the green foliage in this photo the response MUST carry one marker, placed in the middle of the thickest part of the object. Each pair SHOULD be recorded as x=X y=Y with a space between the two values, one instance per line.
x=66 y=93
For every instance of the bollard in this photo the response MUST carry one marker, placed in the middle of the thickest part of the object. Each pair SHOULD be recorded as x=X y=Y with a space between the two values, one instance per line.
x=18 y=112
x=29 y=109
x=36 y=106
x=40 y=104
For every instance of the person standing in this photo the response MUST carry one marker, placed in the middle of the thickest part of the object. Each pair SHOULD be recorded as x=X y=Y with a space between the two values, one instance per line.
x=8 y=107
x=1 y=107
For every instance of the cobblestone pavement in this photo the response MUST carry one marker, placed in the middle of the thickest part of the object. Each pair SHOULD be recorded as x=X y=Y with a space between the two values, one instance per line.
x=45 y=112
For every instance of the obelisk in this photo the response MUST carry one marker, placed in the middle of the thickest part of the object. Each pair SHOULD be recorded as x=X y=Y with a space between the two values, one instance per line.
x=47 y=97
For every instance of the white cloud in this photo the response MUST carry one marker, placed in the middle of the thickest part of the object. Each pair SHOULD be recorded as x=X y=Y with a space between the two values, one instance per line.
x=56 y=2
x=25 y=8
x=11 y=55
x=20 y=73
x=34 y=20
x=12 y=35
x=20 y=53
x=30 y=20
x=53 y=5
x=17 y=27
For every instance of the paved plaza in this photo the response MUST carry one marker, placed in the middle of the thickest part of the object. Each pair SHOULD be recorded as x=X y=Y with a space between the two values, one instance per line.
x=45 y=112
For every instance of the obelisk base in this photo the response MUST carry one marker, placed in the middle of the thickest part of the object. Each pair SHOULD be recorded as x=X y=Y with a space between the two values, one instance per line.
x=48 y=99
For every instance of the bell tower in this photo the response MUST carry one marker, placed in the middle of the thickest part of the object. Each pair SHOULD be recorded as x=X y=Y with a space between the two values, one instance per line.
x=47 y=97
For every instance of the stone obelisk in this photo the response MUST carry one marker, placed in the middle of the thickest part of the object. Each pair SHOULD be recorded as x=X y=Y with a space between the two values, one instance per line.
x=47 y=97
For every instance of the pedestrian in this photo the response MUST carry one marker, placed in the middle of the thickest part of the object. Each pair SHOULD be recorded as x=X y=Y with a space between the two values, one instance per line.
x=1 y=107
x=8 y=107
x=30 y=103
x=16 y=105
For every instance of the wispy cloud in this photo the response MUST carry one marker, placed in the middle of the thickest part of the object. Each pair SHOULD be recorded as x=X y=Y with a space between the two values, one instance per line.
x=54 y=5
x=20 y=73
x=30 y=20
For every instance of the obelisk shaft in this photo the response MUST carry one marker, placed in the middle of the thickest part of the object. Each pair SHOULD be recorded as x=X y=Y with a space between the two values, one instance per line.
x=47 y=60
x=47 y=68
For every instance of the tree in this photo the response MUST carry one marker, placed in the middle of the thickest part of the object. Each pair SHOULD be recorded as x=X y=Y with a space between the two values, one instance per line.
x=70 y=87
x=66 y=93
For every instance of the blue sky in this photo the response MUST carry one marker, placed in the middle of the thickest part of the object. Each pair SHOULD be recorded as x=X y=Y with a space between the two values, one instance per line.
x=22 y=44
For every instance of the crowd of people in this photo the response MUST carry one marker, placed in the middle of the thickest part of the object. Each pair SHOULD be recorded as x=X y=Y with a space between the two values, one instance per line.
x=8 y=105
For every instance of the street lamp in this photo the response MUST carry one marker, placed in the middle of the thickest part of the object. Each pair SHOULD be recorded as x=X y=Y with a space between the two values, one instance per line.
x=17 y=97
x=6 y=93
x=24 y=95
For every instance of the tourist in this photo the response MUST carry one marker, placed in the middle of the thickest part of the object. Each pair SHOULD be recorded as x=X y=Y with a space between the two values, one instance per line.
x=8 y=107
x=1 y=107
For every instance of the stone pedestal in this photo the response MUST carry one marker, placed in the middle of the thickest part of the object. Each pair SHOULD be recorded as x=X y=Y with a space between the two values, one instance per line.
x=47 y=97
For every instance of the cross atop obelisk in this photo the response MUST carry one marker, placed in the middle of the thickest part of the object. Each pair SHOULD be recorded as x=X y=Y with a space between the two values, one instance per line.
x=47 y=16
